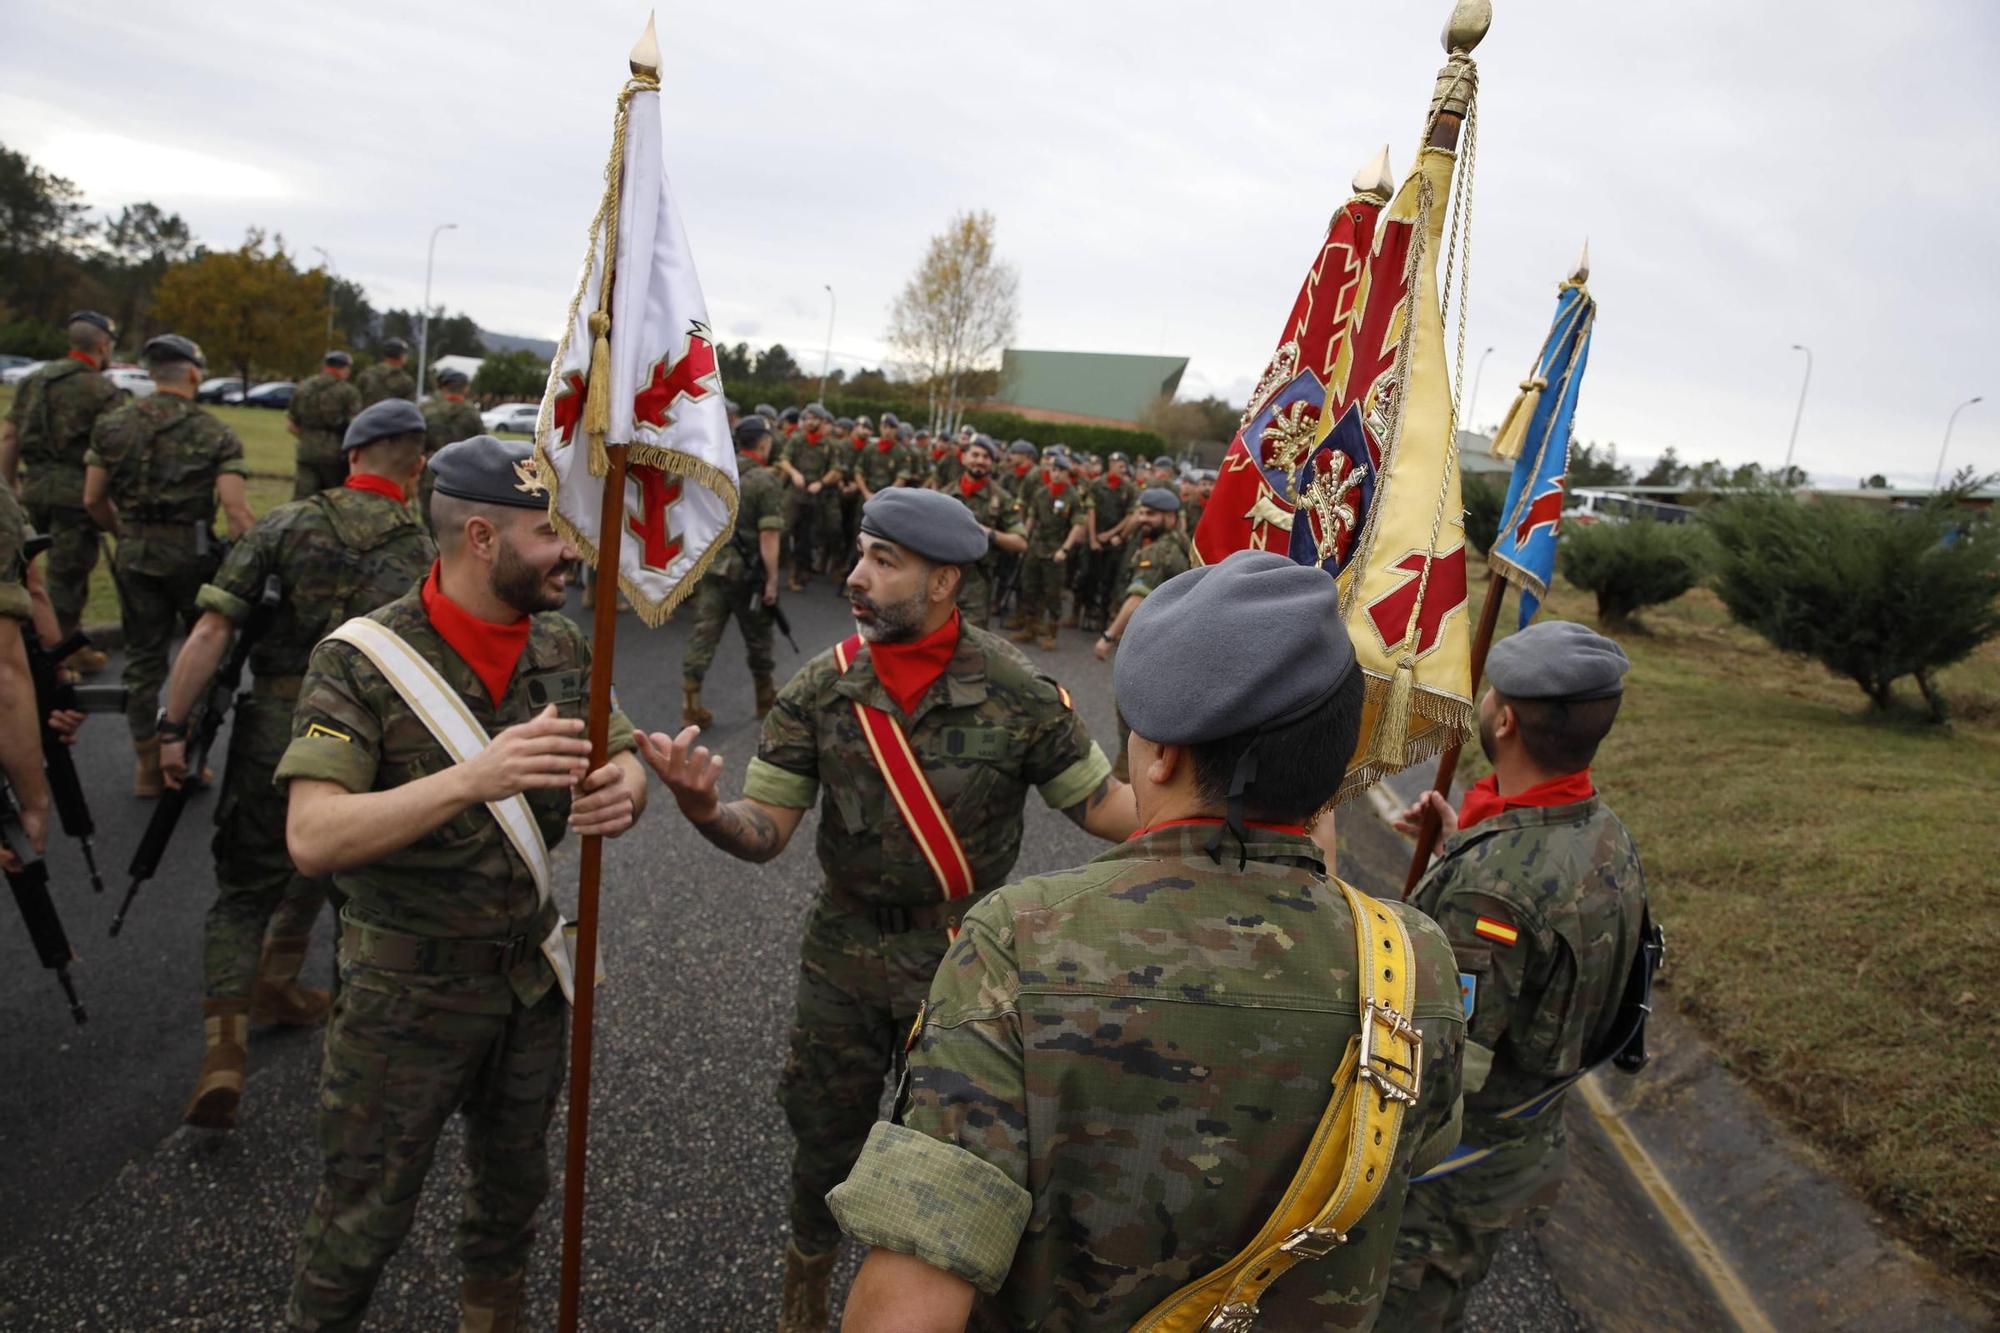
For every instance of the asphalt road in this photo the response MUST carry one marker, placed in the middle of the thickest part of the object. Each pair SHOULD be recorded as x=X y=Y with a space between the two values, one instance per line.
x=113 y=1216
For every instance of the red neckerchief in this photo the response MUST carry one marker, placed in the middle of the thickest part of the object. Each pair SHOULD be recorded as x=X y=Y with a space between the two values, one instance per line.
x=813 y=439
x=906 y=670
x=374 y=485
x=969 y=485
x=1056 y=488
x=1113 y=480
x=490 y=650
x=859 y=442
x=937 y=452
x=1021 y=470
x=454 y=397
x=1485 y=801
x=1212 y=821
x=885 y=444
x=1045 y=477
x=86 y=358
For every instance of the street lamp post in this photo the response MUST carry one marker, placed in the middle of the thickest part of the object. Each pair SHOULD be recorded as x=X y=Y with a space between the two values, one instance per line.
x=1472 y=403
x=826 y=358
x=1937 y=478
x=424 y=333
x=1798 y=415
x=321 y=252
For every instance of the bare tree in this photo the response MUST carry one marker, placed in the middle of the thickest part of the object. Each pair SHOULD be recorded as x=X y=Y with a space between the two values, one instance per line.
x=955 y=314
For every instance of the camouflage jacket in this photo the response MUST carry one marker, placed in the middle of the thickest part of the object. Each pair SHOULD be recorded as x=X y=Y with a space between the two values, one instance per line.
x=163 y=455
x=338 y=554
x=383 y=380
x=463 y=879
x=1112 y=503
x=987 y=730
x=874 y=466
x=760 y=507
x=1116 y=1076
x=53 y=413
x=321 y=409
x=812 y=457
x=994 y=509
x=13 y=561
x=1542 y=907
x=1051 y=516
x=449 y=419
x=944 y=469
x=1149 y=563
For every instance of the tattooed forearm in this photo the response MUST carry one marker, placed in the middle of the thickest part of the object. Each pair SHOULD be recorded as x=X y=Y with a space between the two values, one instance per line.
x=744 y=831
x=1080 y=813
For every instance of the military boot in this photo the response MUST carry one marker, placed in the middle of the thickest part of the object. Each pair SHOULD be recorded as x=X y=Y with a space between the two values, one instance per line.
x=226 y=1026
x=146 y=777
x=692 y=713
x=803 y=1306
x=767 y=695
x=276 y=995
x=490 y=1304
x=1047 y=643
x=86 y=661
x=1031 y=629
x=1016 y=621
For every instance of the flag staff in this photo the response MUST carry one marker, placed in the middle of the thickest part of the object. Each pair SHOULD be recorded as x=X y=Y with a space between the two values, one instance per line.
x=1482 y=640
x=645 y=65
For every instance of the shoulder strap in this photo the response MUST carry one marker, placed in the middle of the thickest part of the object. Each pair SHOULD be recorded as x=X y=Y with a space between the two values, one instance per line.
x=915 y=798
x=456 y=729
x=1349 y=1159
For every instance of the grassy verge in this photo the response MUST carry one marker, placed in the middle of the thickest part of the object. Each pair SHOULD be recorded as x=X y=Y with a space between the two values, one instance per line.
x=1827 y=882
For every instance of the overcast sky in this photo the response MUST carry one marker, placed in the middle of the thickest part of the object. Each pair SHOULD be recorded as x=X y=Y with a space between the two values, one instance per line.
x=1750 y=175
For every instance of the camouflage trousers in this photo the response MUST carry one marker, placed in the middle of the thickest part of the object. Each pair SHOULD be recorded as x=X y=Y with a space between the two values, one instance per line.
x=1452 y=1226
x=859 y=992
x=813 y=521
x=716 y=599
x=1042 y=587
x=258 y=892
x=319 y=471
x=156 y=587
x=72 y=555
x=402 y=1057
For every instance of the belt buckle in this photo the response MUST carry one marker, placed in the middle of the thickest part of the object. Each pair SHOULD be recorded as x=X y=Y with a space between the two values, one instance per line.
x=1235 y=1317
x=1384 y=1079
x=1314 y=1242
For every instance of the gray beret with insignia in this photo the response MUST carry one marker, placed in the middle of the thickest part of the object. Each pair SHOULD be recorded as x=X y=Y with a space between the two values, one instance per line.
x=489 y=471
x=391 y=416
x=1557 y=659
x=1160 y=498
x=1183 y=677
x=930 y=523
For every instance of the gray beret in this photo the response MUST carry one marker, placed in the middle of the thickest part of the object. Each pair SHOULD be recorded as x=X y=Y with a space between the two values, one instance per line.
x=1057 y=458
x=1160 y=498
x=100 y=321
x=395 y=347
x=391 y=416
x=1022 y=447
x=930 y=523
x=337 y=358
x=1557 y=659
x=445 y=377
x=490 y=471
x=173 y=347
x=1183 y=677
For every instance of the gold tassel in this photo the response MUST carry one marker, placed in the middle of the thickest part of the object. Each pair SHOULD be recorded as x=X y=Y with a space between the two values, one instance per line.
x=1392 y=720
x=1513 y=434
x=597 y=397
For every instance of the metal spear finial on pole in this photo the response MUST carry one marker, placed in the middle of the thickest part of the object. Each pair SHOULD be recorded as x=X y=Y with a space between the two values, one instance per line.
x=1375 y=181
x=1582 y=273
x=645 y=58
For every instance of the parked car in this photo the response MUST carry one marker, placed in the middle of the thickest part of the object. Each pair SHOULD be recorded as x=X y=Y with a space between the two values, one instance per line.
x=15 y=374
x=517 y=418
x=277 y=394
x=1589 y=506
x=8 y=361
x=130 y=381
x=222 y=389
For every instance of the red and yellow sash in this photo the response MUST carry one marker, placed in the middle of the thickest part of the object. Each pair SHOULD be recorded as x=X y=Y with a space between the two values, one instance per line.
x=915 y=798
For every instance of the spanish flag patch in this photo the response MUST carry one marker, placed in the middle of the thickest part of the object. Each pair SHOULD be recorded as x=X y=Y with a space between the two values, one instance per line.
x=1497 y=931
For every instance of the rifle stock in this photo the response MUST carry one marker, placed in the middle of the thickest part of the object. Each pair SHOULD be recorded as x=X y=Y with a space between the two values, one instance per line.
x=38 y=910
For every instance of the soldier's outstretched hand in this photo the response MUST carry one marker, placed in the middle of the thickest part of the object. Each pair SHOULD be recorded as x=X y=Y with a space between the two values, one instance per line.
x=689 y=770
x=1410 y=822
x=544 y=752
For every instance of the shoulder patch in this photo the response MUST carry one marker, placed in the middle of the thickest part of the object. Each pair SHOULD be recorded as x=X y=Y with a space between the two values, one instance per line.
x=1499 y=932
x=321 y=729
x=1468 y=993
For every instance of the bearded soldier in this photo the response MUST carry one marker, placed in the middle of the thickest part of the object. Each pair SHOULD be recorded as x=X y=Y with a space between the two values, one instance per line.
x=320 y=411
x=998 y=514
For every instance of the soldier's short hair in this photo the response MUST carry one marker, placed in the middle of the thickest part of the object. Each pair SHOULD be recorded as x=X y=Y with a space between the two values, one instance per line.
x=393 y=455
x=1562 y=735
x=1299 y=767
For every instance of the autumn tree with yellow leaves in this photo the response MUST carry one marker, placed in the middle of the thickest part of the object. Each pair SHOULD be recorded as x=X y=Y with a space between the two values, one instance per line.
x=251 y=308
x=955 y=314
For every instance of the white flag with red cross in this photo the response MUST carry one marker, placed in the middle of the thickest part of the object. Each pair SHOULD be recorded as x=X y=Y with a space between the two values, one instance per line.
x=641 y=369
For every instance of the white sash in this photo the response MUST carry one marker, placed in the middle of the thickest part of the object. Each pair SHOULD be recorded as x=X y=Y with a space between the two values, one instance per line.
x=441 y=709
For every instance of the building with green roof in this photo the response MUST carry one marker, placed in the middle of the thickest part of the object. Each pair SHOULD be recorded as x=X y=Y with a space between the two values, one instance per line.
x=1091 y=388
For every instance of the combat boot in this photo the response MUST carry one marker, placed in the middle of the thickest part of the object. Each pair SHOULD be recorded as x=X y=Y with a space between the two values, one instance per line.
x=1031 y=629
x=276 y=995
x=1047 y=643
x=226 y=1027
x=86 y=661
x=146 y=777
x=767 y=695
x=692 y=713
x=803 y=1306
x=1016 y=621
x=490 y=1304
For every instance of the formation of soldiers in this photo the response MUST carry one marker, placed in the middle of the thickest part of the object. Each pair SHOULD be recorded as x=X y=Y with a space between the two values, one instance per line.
x=1198 y=1082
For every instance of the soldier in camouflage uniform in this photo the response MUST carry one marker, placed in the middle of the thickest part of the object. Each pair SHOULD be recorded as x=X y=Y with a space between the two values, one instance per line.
x=1112 y=496
x=387 y=378
x=811 y=465
x=448 y=418
x=1119 y=1068
x=997 y=512
x=743 y=581
x=320 y=411
x=49 y=426
x=448 y=1001
x=338 y=554
x=1056 y=516
x=1539 y=888
x=984 y=728
x=878 y=461
x=1191 y=503
x=152 y=476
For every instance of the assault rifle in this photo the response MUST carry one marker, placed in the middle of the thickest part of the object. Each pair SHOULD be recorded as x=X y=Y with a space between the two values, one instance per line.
x=31 y=894
x=753 y=584
x=205 y=722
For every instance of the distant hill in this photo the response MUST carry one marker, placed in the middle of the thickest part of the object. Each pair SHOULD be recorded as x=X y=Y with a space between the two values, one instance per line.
x=545 y=348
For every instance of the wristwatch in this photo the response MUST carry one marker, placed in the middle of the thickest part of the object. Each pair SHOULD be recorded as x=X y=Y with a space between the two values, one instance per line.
x=169 y=731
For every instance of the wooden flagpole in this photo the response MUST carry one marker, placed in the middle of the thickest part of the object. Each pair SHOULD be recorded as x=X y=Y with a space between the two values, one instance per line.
x=1427 y=822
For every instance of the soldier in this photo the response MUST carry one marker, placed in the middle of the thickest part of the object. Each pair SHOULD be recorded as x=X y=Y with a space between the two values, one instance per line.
x=1021 y=468
x=879 y=461
x=318 y=416
x=152 y=476
x=976 y=728
x=20 y=728
x=387 y=378
x=1539 y=889
x=851 y=437
x=448 y=418
x=999 y=516
x=810 y=464
x=1164 y=471
x=337 y=554
x=1055 y=515
x=1111 y=500
x=743 y=580
x=49 y=425
x=454 y=966
x=1122 y=1071
x=1191 y=503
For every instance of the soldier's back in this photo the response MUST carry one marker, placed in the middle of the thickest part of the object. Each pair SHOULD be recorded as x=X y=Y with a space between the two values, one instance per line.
x=54 y=410
x=448 y=422
x=163 y=454
x=382 y=380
